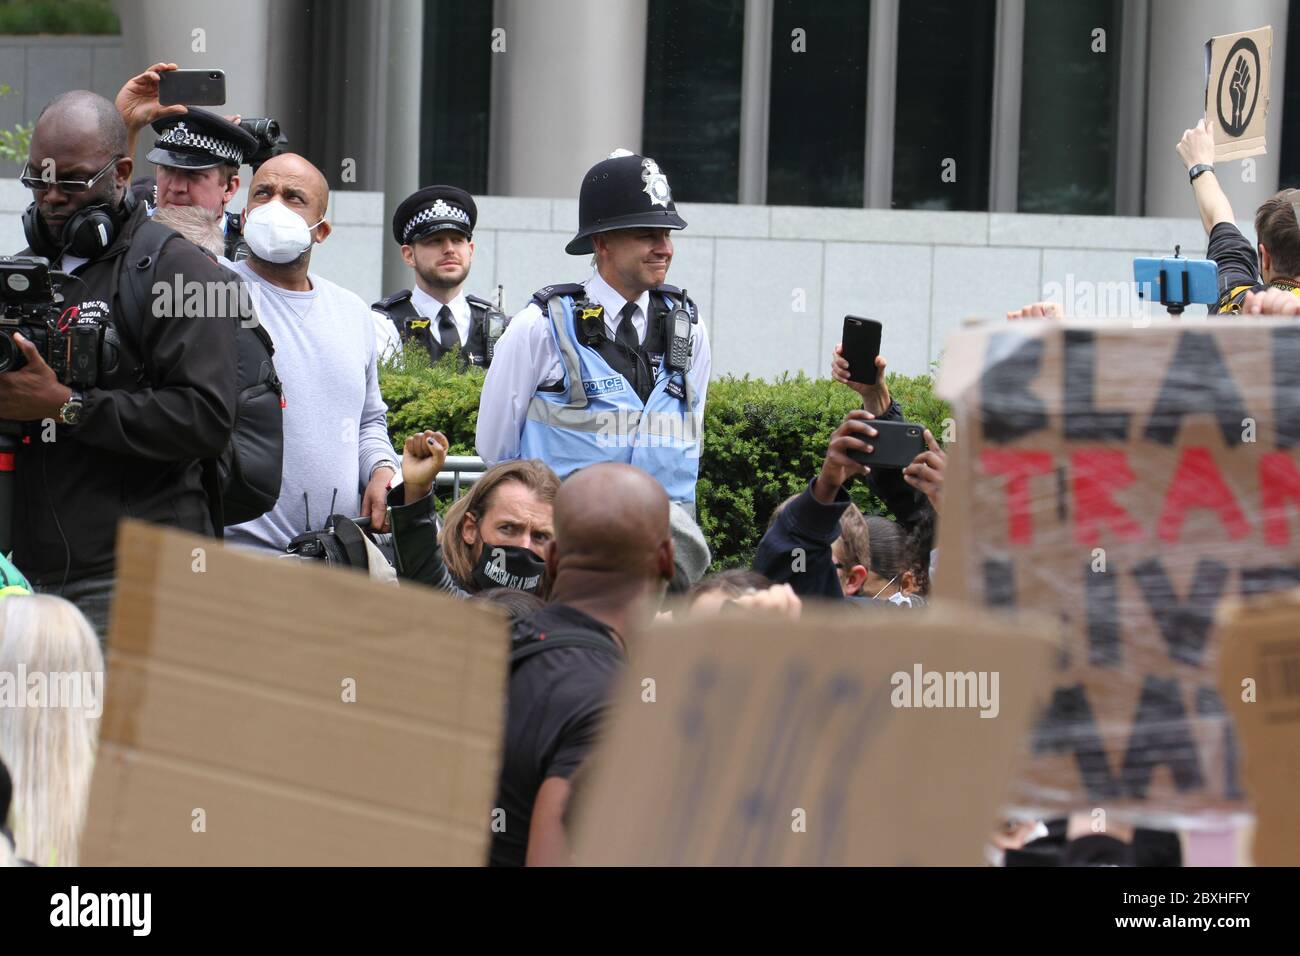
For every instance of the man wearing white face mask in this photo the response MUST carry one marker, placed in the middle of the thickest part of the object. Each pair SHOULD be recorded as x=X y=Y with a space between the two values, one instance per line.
x=337 y=456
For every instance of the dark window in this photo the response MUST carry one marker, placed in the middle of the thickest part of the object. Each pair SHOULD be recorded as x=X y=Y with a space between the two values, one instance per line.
x=943 y=104
x=456 y=94
x=1289 y=157
x=817 y=120
x=694 y=51
x=1069 y=107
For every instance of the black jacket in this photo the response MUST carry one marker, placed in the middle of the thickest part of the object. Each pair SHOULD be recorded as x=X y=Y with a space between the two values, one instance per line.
x=796 y=550
x=144 y=430
x=416 y=547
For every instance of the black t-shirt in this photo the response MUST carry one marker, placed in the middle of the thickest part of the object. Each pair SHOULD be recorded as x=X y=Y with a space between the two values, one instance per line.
x=557 y=701
x=1238 y=266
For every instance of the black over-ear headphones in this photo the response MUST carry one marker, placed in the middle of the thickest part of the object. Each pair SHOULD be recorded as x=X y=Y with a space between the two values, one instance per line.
x=87 y=234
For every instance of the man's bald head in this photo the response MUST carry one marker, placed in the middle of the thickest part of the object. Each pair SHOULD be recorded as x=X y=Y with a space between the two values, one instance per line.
x=85 y=115
x=76 y=137
x=295 y=181
x=611 y=517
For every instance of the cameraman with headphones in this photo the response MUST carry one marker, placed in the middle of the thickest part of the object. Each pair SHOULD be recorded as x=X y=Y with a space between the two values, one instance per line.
x=163 y=399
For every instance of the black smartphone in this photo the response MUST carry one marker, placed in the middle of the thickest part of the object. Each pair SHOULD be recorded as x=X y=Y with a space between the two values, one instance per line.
x=896 y=444
x=861 y=345
x=192 y=87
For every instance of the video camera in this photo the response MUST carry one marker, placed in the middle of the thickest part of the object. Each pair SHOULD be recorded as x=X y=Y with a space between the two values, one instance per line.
x=270 y=141
x=30 y=305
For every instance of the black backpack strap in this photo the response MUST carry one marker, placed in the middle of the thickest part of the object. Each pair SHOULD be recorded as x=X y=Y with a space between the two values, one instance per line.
x=136 y=271
x=522 y=650
x=211 y=479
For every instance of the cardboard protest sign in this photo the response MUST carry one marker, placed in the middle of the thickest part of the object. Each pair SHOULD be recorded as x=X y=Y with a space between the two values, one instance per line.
x=262 y=711
x=1236 y=91
x=1130 y=479
x=1259 y=677
x=859 y=739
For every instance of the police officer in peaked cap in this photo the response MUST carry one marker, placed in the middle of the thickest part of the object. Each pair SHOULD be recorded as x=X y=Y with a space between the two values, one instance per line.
x=615 y=368
x=198 y=155
x=435 y=228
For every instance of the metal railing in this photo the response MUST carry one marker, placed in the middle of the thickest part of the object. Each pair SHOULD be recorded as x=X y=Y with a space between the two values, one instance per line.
x=460 y=470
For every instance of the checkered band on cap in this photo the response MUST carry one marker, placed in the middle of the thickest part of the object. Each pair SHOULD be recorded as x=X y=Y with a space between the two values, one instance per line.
x=181 y=136
x=438 y=211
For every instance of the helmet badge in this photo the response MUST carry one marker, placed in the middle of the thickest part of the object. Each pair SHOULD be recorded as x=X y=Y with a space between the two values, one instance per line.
x=656 y=183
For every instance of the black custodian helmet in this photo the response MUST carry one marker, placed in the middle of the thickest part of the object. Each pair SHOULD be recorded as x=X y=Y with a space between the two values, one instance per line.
x=625 y=191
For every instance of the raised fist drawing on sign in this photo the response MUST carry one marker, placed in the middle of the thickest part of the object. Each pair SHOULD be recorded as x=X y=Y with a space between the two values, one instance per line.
x=1237 y=90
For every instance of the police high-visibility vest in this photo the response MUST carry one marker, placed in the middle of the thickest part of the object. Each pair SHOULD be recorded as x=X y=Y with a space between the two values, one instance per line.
x=597 y=416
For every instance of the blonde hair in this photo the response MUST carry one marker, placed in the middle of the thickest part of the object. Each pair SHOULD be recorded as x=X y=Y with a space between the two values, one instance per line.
x=529 y=472
x=49 y=750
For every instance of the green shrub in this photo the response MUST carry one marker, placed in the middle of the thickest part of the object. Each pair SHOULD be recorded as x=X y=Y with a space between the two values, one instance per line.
x=58 y=16
x=763 y=441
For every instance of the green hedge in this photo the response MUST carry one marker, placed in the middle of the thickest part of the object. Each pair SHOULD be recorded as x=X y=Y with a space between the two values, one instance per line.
x=763 y=440
x=58 y=16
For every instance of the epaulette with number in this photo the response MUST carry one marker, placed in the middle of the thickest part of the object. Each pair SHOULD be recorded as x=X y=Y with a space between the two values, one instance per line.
x=386 y=303
x=545 y=294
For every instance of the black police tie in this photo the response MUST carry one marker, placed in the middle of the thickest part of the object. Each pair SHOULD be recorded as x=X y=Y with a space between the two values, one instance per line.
x=448 y=337
x=625 y=334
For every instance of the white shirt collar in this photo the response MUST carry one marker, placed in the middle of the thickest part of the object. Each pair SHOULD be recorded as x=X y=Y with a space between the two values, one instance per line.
x=429 y=307
x=603 y=294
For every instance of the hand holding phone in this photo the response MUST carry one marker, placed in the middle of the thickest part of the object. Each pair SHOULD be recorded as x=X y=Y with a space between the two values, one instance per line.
x=895 y=446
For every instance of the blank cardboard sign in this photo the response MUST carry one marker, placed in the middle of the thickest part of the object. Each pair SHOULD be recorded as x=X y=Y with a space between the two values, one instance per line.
x=763 y=741
x=1259 y=678
x=269 y=712
x=1132 y=480
x=1236 y=91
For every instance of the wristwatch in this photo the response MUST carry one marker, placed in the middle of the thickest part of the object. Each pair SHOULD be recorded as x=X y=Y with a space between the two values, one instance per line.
x=386 y=463
x=1197 y=170
x=70 y=413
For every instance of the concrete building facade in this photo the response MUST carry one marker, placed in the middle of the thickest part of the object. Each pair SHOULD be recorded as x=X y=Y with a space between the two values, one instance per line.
x=814 y=130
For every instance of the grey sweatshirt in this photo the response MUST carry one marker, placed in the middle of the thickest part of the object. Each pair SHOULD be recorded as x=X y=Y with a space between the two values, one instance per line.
x=335 y=423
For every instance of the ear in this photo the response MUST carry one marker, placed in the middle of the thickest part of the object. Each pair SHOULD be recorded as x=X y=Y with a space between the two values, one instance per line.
x=907 y=583
x=469 y=528
x=1265 y=260
x=232 y=187
x=853 y=581
x=470 y=258
x=122 y=172
x=322 y=231
x=408 y=255
x=552 y=560
x=666 y=567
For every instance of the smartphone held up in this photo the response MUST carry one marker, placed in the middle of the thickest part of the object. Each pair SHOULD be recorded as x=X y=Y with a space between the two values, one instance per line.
x=860 y=345
x=192 y=88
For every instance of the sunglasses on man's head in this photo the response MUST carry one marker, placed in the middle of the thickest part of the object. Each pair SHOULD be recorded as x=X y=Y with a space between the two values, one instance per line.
x=65 y=185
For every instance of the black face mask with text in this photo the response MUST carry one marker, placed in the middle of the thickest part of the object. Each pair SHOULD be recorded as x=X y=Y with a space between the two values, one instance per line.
x=509 y=566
